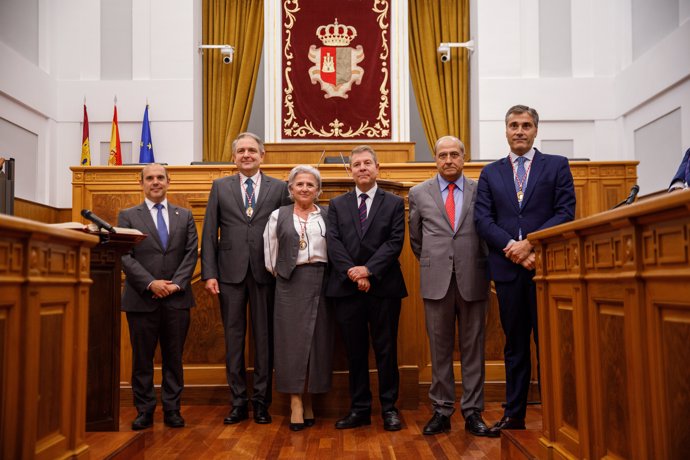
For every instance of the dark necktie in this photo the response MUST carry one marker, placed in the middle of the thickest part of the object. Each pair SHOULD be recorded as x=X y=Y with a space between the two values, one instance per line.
x=520 y=179
x=450 y=205
x=160 y=223
x=249 y=194
x=363 y=209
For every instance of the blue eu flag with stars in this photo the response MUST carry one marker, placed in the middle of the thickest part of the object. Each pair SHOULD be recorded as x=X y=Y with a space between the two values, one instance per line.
x=146 y=145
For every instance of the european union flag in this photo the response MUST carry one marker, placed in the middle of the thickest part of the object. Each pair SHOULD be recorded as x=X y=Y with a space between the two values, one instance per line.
x=146 y=145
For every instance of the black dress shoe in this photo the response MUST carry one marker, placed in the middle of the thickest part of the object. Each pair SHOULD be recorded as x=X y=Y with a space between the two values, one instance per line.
x=236 y=415
x=353 y=420
x=507 y=423
x=297 y=426
x=261 y=415
x=439 y=423
x=391 y=420
x=309 y=422
x=173 y=419
x=475 y=425
x=144 y=420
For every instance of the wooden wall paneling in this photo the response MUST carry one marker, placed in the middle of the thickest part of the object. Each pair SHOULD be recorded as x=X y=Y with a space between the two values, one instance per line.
x=293 y=153
x=635 y=266
x=666 y=251
x=204 y=363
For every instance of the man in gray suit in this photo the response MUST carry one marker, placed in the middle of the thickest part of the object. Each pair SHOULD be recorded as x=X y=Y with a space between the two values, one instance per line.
x=158 y=295
x=232 y=264
x=453 y=285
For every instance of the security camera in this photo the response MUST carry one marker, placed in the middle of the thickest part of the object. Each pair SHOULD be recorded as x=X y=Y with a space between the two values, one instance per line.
x=444 y=51
x=227 y=53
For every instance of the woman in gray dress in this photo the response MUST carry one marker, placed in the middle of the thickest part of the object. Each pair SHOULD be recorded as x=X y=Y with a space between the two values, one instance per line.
x=295 y=252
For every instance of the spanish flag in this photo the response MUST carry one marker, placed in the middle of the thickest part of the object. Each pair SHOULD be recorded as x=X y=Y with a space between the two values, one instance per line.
x=115 y=157
x=85 y=150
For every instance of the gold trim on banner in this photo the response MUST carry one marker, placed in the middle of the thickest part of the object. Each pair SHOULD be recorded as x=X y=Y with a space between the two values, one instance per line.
x=380 y=129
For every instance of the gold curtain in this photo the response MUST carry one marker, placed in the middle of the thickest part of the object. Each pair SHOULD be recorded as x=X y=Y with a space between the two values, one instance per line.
x=441 y=88
x=229 y=88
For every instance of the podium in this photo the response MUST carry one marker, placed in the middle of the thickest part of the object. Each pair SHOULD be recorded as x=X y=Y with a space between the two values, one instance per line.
x=44 y=292
x=613 y=295
x=103 y=377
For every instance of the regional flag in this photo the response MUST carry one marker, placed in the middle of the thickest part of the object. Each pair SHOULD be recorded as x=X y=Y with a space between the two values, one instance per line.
x=85 y=150
x=146 y=145
x=115 y=157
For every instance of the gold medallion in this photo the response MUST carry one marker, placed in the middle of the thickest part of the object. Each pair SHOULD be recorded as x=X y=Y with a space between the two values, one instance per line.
x=302 y=245
x=250 y=212
x=520 y=196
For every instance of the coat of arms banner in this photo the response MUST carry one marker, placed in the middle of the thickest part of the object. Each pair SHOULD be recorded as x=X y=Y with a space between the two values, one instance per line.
x=336 y=70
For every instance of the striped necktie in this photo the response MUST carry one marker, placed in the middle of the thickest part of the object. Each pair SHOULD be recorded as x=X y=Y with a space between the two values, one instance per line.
x=362 y=209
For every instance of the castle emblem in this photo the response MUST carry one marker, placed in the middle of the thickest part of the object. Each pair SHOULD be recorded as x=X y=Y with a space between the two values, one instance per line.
x=335 y=64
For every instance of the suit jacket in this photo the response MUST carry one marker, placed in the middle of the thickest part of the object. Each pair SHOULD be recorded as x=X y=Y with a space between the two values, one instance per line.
x=148 y=261
x=240 y=245
x=377 y=246
x=438 y=248
x=288 y=240
x=683 y=173
x=549 y=200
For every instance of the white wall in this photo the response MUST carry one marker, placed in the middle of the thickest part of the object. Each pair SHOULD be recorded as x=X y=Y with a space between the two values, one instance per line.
x=46 y=99
x=606 y=96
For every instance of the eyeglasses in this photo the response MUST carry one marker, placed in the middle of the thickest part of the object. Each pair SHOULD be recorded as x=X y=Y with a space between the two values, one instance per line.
x=444 y=155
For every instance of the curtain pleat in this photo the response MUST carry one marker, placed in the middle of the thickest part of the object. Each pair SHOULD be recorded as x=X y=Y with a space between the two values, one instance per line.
x=229 y=88
x=441 y=88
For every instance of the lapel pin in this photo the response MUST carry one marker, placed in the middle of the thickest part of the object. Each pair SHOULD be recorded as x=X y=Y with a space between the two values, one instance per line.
x=177 y=213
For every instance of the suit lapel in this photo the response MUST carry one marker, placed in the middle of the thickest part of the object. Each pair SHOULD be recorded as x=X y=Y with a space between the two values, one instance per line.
x=534 y=173
x=434 y=189
x=265 y=185
x=506 y=171
x=375 y=206
x=173 y=221
x=353 y=206
x=147 y=220
x=237 y=191
x=467 y=193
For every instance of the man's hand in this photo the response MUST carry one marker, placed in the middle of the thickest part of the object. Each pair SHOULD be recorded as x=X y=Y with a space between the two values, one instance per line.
x=363 y=284
x=530 y=262
x=212 y=286
x=518 y=251
x=358 y=272
x=162 y=288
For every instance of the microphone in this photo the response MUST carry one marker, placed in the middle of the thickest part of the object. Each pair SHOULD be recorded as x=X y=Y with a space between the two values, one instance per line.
x=87 y=214
x=631 y=198
x=323 y=154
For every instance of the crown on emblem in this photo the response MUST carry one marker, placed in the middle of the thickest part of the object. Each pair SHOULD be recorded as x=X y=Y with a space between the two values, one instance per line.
x=336 y=34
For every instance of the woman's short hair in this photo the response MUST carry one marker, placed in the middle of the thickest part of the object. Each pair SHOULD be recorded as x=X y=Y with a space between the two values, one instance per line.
x=304 y=169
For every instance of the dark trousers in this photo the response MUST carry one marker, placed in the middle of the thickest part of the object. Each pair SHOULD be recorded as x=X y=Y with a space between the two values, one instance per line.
x=358 y=316
x=517 y=302
x=146 y=329
x=233 y=309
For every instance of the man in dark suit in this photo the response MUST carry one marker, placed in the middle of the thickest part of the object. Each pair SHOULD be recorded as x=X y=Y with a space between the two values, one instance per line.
x=682 y=178
x=517 y=195
x=366 y=229
x=453 y=284
x=158 y=295
x=232 y=264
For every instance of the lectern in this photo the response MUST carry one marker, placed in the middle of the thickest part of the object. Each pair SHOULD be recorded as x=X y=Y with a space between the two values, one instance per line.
x=103 y=377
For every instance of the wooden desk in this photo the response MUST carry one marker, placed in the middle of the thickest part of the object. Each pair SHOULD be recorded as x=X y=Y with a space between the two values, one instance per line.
x=614 y=326
x=44 y=308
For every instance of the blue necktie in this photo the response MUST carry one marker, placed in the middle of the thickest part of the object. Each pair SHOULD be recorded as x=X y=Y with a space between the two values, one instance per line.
x=249 y=198
x=160 y=223
x=521 y=174
x=363 y=209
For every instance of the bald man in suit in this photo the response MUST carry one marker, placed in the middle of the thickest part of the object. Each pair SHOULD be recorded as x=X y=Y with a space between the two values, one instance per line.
x=453 y=285
x=158 y=295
